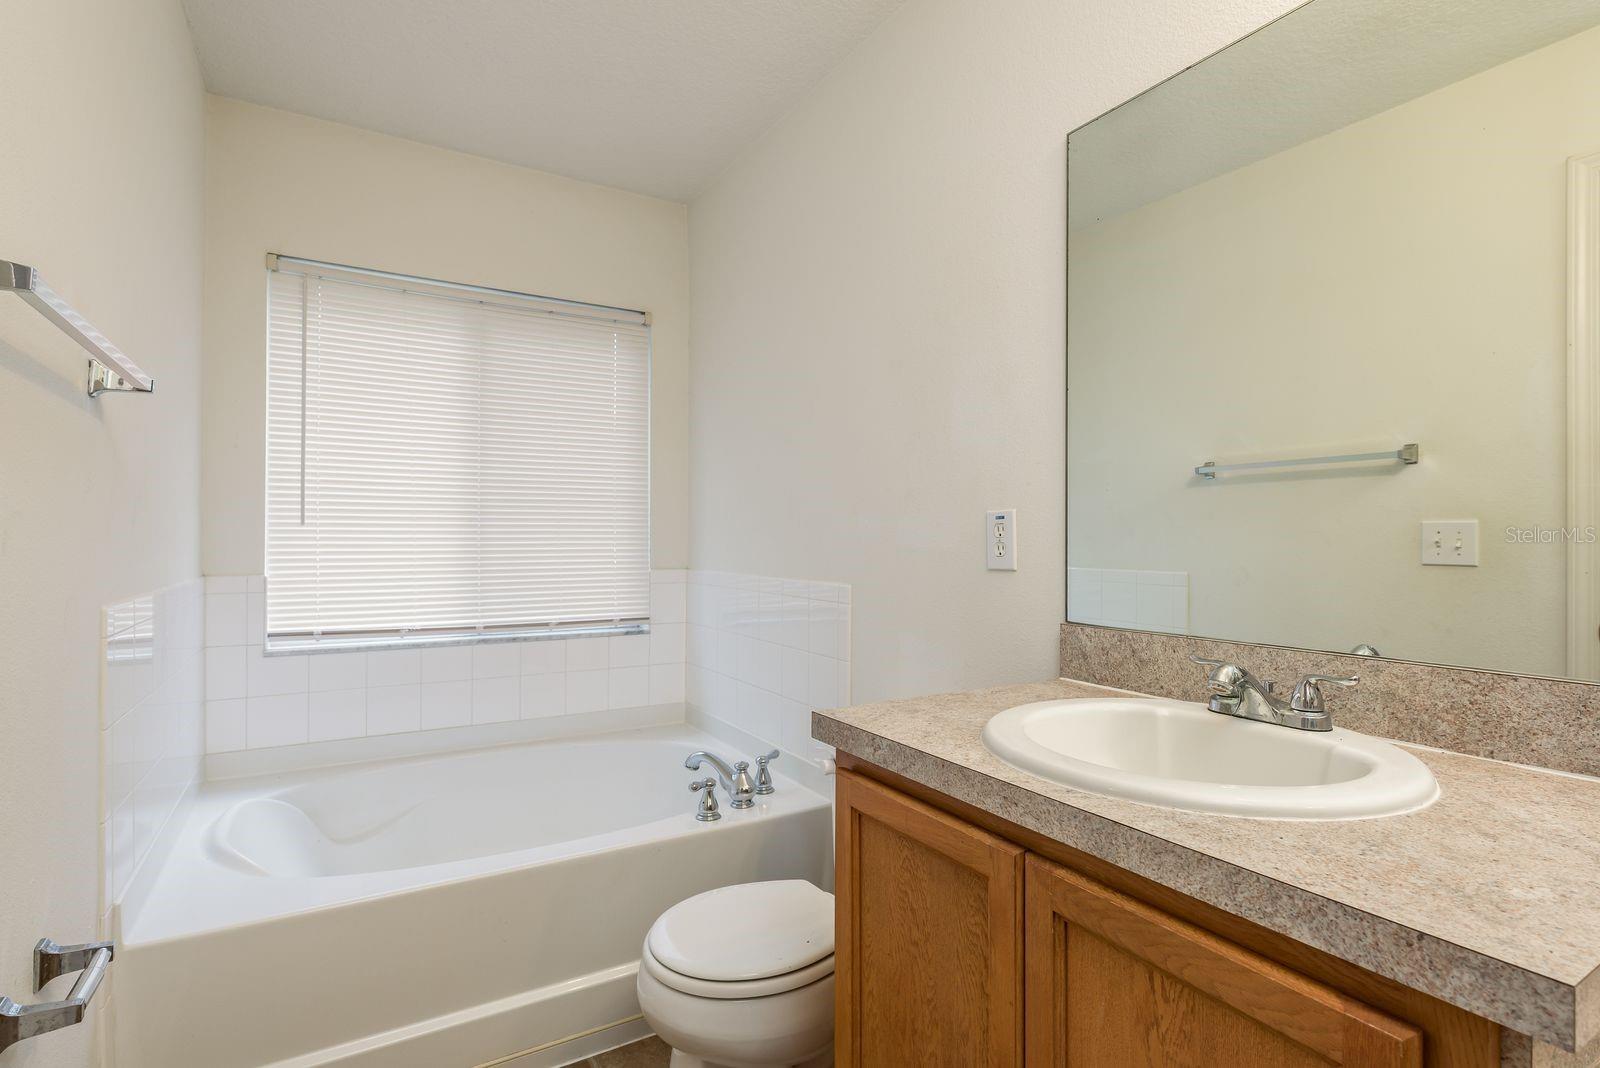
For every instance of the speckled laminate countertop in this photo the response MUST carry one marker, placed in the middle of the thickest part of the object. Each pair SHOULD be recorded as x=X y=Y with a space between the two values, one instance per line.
x=1488 y=899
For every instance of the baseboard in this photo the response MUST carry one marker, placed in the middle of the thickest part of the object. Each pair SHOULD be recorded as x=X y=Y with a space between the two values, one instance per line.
x=578 y=1047
x=508 y=1031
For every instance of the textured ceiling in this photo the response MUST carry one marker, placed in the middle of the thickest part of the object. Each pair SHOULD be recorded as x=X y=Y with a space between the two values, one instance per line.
x=1318 y=69
x=656 y=97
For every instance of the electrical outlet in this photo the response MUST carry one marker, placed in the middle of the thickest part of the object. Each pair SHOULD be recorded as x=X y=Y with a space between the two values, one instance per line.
x=1453 y=542
x=1000 y=532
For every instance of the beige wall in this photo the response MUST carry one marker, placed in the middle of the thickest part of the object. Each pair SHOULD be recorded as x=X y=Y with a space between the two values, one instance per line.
x=279 y=182
x=878 y=324
x=101 y=140
x=1403 y=279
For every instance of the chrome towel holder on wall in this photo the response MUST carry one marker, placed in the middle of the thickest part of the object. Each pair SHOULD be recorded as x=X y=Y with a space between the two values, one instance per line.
x=109 y=370
x=50 y=961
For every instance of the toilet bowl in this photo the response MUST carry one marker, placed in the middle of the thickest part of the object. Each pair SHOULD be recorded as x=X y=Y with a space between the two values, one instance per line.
x=742 y=977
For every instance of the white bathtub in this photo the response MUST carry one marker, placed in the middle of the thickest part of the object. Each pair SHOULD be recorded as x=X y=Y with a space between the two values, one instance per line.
x=432 y=912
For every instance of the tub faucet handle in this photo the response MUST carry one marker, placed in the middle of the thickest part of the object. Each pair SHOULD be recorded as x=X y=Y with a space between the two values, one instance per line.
x=763 y=776
x=706 y=811
x=742 y=793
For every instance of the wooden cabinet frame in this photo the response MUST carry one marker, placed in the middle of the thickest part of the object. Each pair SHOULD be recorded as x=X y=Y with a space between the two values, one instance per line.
x=997 y=862
x=1063 y=905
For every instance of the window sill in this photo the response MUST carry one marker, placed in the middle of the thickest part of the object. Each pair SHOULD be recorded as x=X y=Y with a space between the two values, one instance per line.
x=300 y=647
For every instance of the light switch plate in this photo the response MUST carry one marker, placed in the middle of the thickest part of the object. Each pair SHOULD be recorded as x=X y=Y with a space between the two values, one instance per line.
x=1453 y=542
x=1000 y=528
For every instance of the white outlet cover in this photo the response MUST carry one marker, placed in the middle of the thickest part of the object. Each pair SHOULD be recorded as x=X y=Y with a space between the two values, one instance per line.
x=1000 y=534
x=1451 y=542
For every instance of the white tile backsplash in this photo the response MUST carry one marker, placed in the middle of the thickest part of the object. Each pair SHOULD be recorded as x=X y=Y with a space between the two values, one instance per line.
x=392 y=709
x=763 y=652
x=587 y=691
x=337 y=714
x=254 y=700
x=1145 y=600
x=153 y=719
x=498 y=700
x=446 y=704
x=277 y=719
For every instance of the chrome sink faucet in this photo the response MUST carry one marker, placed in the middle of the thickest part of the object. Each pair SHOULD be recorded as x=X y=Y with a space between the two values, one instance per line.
x=1236 y=692
x=736 y=781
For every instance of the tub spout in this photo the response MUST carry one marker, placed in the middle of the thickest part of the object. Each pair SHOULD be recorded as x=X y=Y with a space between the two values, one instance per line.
x=736 y=781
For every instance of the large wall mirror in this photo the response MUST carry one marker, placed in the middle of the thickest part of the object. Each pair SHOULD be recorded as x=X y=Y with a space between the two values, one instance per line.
x=1333 y=351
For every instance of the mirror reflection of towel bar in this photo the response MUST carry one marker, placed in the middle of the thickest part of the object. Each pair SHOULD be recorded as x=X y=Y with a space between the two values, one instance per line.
x=1406 y=454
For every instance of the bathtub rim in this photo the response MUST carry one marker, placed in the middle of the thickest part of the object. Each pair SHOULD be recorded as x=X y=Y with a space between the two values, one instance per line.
x=211 y=800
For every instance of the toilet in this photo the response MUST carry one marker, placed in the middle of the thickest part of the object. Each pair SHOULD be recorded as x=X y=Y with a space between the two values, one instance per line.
x=742 y=977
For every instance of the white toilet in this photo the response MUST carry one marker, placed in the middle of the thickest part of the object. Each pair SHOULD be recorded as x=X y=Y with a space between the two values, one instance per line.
x=742 y=977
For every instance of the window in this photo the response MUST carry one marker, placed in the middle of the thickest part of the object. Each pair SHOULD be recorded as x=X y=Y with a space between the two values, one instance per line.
x=446 y=462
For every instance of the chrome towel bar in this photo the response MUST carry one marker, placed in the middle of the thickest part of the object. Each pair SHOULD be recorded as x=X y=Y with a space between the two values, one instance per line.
x=109 y=370
x=18 y=1022
x=1406 y=454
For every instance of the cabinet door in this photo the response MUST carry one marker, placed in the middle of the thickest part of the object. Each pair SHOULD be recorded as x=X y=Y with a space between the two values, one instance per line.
x=928 y=964
x=1114 y=983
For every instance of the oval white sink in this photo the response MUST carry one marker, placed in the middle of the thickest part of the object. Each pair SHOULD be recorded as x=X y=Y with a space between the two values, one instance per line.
x=1183 y=755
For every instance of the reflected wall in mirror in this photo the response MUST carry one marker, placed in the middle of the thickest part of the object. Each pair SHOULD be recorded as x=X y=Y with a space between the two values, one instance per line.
x=1371 y=223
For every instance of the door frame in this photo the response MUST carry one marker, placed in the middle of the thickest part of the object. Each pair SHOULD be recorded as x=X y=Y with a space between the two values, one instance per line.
x=1583 y=415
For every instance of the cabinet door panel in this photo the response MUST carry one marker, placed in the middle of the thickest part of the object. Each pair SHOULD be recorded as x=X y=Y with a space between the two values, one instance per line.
x=1114 y=983
x=929 y=917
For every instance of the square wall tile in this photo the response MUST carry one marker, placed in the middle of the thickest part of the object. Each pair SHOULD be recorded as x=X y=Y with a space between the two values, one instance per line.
x=267 y=676
x=631 y=650
x=495 y=700
x=225 y=726
x=225 y=618
x=225 y=672
x=394 y=709
x=667 y=642
x=543 y=657
x=446 y=704
x=337 y=714
x=628 y=687
x=278 y=719
x=666 y=684
x=394 y=667
x=446 y=663
x=337 y=671
x=496 y=660
x=544 y=695
x=587 y=691
x=588 y=654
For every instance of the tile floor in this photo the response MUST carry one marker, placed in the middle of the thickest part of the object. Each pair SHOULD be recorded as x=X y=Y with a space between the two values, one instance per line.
x=646 y=1053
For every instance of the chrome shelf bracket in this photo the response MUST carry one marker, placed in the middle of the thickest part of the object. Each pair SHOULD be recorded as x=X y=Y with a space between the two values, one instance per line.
x=51 y=961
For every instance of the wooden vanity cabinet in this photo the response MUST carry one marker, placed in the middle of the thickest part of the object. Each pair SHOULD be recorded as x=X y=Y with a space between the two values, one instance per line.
x=958 y=946
x=928 y=948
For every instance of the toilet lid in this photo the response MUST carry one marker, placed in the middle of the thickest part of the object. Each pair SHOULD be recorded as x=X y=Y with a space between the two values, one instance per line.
x=749 y=931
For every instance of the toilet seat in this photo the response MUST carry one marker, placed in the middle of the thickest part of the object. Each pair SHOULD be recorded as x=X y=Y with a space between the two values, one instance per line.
x=735 y=990
x=750 y=940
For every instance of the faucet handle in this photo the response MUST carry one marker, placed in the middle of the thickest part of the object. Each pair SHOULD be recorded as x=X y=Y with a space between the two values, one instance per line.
x=1307 y=696
x=1223 y=678
x=741 y=794
x=763 y=776
x=706 y=811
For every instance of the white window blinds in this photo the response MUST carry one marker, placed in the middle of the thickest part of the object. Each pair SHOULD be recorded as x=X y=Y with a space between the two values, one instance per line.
x=451 y=462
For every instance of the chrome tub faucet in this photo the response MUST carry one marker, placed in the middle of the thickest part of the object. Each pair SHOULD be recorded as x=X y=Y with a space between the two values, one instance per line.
x=736 y=781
